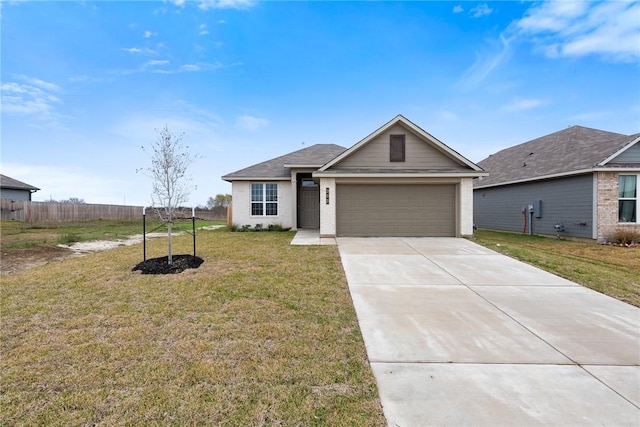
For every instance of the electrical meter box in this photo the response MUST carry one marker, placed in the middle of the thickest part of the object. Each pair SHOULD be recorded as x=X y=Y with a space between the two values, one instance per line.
x=537 y=208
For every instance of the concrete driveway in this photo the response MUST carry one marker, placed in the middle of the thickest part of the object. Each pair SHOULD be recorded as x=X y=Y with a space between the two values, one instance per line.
x=460 y=335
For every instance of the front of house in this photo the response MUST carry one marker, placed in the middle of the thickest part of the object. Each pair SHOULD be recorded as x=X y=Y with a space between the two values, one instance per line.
x=398 y=181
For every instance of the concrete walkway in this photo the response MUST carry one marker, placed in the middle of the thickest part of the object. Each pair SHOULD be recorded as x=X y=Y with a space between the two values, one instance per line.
x=458 y=335
x=311 y=237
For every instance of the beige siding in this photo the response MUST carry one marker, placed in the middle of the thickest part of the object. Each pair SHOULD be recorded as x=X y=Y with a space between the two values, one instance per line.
x=420 y=154
x=396 y=210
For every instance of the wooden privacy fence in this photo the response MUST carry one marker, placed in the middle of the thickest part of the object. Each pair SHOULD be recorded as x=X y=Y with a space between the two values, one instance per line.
x=45 y=212
x=20 y=210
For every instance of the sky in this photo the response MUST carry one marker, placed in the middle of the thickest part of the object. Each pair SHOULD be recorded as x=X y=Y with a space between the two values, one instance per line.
x=86 y=85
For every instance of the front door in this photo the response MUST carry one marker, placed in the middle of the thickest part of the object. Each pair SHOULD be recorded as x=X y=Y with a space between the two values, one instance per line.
x=309 y=204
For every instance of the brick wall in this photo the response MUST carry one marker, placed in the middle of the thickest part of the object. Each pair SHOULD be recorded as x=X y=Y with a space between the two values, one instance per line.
x=607 y=206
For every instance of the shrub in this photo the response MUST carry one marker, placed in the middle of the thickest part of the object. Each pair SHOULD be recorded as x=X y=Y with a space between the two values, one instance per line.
x=625 y=236
x=258 y=227
x=274 y=227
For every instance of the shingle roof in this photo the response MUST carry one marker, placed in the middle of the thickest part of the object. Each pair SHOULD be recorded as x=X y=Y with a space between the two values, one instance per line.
x=14 y=184
x=316 y=155
x=570 y=150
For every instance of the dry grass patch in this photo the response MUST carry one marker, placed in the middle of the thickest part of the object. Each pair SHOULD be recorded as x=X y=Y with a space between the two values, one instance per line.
x=611 y=270
x=263 y=333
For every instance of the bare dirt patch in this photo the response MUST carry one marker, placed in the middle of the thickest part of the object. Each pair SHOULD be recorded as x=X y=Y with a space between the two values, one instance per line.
x=14 y=260
x=22 y=259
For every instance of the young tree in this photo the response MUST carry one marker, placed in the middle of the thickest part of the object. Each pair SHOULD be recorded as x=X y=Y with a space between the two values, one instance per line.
x=171 y=185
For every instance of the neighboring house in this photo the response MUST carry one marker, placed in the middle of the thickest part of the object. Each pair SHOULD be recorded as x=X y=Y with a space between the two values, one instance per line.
x=580 y=182
x=15 y=190
x=398 y=181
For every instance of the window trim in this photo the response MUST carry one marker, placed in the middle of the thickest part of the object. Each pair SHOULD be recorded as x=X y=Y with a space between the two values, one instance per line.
x=636 y=199
x=264 y=202
x=397 y=148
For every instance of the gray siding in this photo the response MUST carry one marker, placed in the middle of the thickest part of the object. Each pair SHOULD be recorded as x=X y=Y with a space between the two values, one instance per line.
x=631 y=155
x=419 y=154
x=567 y=200
x=10 y=193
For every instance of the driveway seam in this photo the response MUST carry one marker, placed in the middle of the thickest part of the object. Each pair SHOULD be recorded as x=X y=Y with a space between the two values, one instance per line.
x=496 y=307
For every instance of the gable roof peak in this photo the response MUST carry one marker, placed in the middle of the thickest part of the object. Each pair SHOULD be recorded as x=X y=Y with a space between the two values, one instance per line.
x=421 y=133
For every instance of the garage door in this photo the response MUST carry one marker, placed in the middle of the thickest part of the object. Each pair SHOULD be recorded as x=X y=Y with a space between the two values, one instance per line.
x=395 y=210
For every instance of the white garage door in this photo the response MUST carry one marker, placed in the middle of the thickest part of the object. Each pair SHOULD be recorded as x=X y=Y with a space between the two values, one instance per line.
x=395 y=210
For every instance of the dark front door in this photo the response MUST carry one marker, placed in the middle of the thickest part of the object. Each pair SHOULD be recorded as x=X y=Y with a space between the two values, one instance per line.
x=309 y=205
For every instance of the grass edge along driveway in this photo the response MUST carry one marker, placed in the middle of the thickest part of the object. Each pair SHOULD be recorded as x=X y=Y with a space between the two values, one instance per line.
x=263 y=333
x=611 y=270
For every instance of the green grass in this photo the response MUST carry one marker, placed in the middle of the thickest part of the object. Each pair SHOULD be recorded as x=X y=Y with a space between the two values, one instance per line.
x=611 y=270
x=18 y=235
x=263 y=333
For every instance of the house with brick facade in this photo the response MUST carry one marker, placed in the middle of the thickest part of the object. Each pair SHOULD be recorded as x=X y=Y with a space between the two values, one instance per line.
x=578 y=182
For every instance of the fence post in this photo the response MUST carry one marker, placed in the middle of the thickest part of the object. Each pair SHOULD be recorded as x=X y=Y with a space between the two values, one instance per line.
x=144 y=234
x=193 y=221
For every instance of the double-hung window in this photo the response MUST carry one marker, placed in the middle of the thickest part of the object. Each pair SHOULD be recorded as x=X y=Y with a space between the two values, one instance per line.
x=264 y=199
x=628 y=198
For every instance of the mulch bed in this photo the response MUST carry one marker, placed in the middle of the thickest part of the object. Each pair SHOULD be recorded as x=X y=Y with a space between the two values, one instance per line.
x=161 y=265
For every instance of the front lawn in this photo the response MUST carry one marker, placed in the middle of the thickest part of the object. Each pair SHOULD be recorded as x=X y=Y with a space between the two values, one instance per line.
x=263 y=333
x=612 y=270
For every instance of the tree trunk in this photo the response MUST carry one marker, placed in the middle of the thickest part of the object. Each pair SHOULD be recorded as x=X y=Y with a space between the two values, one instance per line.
x=170 y=258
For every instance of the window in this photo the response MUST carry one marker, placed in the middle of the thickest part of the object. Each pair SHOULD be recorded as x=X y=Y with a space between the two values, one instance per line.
x=628 y=198
x=264 y=199
x=396 y=144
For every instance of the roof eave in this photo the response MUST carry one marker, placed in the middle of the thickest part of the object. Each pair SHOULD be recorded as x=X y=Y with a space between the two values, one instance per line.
x=538 y=178
x=255 y=178
x=302 y=166
x=330 y=174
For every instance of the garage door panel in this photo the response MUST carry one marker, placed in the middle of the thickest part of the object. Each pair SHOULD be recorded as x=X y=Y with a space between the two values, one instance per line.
x=395 y=210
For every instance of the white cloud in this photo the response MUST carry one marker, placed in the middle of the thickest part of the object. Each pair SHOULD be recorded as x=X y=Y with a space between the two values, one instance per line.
x=136 y=50
x=226 y=4
x=524 y=104
x=203 y=30
x=251 y=123
x=147 y=34
x=36 y=98
x=578 y=28
x=495 y=53
x=458 y=9
x=480 y=10
x=201 y=66
x=156 y=62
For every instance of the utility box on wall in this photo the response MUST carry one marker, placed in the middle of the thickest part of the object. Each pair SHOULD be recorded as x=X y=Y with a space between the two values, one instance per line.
x=537 y=208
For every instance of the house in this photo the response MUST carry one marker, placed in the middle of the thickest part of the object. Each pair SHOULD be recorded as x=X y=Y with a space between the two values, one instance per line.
x=398 y=181
x=578 y=182
x=15 y=190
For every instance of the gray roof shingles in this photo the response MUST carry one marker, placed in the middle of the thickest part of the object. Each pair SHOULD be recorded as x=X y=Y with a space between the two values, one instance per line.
x=14 y=184
x=570 y=150
x=317 y=155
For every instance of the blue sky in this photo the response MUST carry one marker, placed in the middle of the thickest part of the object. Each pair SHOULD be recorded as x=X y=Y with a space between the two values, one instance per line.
x=85 y=84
